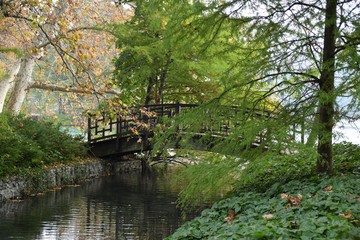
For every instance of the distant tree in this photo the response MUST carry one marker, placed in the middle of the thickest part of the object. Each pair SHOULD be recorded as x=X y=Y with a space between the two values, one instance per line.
x=72 y=31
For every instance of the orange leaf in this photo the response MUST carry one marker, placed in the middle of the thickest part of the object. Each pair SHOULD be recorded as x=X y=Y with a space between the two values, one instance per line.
x=346 y=215
x=230 y=217
x=294 y=224
x=284 y=195
x=294 y=201
x=328 y=188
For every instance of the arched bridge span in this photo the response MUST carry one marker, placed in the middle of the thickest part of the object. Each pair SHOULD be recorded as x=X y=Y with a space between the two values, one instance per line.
x=115 y=136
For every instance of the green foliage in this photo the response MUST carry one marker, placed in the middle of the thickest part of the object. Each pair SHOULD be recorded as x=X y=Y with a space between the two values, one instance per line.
x=215 y=175
x=157 y=58
x=211 y=178
x=328 y=209
x=270 y=168
x=258 y=60
x=17 y=51
x=28 y=143
x=346 y=157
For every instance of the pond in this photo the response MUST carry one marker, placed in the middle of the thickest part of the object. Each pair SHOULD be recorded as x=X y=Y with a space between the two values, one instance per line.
x=127 y=206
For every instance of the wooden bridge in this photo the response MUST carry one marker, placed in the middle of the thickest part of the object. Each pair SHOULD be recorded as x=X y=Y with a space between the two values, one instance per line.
x=121 y=135
x=115 y=136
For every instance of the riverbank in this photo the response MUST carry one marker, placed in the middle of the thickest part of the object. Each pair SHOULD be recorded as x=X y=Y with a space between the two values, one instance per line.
x=30 y=181
x=274 y=196
x=315 y=208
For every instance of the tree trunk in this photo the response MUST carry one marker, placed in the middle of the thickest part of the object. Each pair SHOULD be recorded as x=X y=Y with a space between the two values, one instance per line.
x=6 y=83
x=22 y=82
x=327 y=95
x=163 y=77
x=314 y=131
x=149 y=89
x=54 y=87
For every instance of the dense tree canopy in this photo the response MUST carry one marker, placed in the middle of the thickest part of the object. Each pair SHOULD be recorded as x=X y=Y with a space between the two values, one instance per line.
x=297 y=56
x=157 y=63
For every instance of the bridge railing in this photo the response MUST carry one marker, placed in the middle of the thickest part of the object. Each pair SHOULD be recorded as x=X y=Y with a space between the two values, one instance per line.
x=120 y=126
x=106 y=127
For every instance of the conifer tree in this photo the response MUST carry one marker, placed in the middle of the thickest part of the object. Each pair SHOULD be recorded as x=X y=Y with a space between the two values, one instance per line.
x=301 y=54
x=156 y=65
x=292 y=59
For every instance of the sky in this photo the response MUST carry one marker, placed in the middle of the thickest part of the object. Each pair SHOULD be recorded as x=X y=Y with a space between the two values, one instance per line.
x=350 y=131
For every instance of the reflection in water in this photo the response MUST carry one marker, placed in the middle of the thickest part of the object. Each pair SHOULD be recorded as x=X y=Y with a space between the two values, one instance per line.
x=128 y=206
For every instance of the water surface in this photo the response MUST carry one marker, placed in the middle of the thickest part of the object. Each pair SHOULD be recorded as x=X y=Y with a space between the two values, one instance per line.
x=127 y=206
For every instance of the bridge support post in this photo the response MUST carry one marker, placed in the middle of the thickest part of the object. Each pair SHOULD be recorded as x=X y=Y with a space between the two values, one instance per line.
x=177 y=107
x=118 y=132
x=89 y=130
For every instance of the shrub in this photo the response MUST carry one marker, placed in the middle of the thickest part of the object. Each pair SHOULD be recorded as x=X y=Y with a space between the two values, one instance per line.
x=15 y=150
x=28 y=143
x=346 y=157
x=264 y=171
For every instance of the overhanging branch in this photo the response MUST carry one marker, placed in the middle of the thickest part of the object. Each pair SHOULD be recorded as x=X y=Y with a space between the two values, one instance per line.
x=53 y=87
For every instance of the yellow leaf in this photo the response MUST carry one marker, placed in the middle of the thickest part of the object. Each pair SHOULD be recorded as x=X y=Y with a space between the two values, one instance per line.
x=268 y=216
x=328 y=188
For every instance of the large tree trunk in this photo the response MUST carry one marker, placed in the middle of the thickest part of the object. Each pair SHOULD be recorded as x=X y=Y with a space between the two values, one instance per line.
x=22 y=82
x=5 y=84
x=327 y=95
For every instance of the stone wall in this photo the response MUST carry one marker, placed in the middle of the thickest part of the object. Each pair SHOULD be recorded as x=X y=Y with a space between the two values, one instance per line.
x=32 y=182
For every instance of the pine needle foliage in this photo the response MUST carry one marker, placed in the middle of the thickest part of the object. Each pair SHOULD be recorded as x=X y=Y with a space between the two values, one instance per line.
x=210 y=179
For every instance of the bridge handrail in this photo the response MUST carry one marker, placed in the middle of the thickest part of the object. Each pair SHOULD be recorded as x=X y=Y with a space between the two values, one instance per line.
x=120 y=127
x=108 y=128
x=115 y=136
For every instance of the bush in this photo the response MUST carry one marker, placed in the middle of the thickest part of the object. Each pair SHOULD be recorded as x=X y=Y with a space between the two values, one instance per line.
x=28 y=143
x=264 y=171
x=217 y=175
x=346 y=157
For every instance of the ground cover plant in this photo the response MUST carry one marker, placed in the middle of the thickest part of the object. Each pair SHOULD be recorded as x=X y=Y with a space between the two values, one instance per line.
x=316 y=208
x=27 y=143
x=274 y=196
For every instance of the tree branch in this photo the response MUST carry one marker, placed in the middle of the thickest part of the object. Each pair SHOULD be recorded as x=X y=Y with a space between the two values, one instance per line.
x=53 y=87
